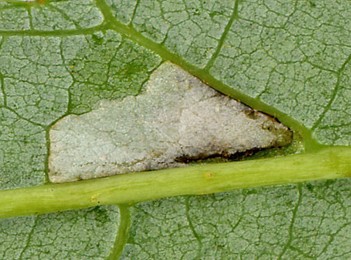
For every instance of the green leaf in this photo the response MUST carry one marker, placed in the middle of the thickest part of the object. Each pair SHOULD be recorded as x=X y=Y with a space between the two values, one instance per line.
x=288 y=222
x=81 y=234
x=288 y=59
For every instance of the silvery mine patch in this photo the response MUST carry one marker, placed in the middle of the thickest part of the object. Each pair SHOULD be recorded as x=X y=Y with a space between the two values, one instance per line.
x=177 y=116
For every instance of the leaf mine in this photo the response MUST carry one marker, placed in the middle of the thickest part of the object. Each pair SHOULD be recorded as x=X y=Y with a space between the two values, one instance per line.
x=177 y=116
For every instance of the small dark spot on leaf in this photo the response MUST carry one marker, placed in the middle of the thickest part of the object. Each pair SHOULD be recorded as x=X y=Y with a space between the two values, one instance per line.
x=196 y=12
x=213 y=14
x=312 y=4
x=249 y=191
x=252 y=114
x=97 y=39
x=310 y=187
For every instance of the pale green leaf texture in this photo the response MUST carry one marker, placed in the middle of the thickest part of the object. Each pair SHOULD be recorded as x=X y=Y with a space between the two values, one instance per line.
x=290 y=58
x=80 y=234
x=308 y=221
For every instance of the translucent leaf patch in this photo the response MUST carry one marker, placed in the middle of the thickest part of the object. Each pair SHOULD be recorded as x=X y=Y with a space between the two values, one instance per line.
x=176 y=117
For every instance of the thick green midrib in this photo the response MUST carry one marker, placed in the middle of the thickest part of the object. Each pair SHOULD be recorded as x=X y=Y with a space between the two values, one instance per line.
x=205 y=76
x=328 y=163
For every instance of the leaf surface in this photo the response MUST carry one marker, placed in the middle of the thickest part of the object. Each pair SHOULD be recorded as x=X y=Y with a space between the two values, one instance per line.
x=309 y=221
x=292 y=60
x=81 y=234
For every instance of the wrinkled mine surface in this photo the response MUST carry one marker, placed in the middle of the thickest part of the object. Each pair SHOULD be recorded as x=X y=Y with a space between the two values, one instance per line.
x=177 y=116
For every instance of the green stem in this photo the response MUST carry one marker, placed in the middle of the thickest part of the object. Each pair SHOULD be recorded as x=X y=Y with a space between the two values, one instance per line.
x=329 y=163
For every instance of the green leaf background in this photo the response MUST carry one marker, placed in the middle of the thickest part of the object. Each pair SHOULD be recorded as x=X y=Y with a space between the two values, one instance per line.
x=288 y=58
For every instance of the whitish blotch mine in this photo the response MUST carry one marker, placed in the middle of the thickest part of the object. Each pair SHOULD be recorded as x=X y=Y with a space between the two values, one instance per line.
x=177 y=116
